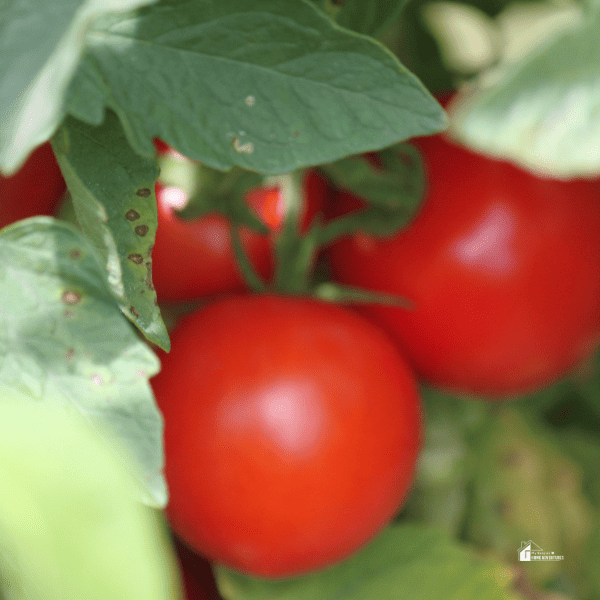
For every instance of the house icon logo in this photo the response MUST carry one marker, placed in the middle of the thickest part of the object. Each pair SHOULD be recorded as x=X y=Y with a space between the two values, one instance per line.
x=530 y=551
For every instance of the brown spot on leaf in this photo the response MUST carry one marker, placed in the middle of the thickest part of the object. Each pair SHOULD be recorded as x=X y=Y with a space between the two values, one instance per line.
x=75 y=254
x=142 y=230
x=148 y=279
x=70 y=353
x=70 y=297
x=134 y=312
x=143 y=192
x=138 y=259
x=132 y=215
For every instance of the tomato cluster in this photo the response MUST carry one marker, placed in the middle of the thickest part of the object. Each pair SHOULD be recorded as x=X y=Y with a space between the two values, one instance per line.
x=292 y=427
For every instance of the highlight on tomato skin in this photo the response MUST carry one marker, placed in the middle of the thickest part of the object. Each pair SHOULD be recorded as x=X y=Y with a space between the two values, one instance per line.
x=36 y=189
x=502 y=267
x=292 y=429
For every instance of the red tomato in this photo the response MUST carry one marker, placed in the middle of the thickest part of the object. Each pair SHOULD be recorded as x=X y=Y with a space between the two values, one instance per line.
x=292 y=429
x=195 y=258
x=34 y=190
x=503 y=269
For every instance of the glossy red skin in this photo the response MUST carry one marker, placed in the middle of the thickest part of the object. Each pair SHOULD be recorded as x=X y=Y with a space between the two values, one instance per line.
x=503 y=269
x=35 y=189
x=193 y=259
x=292 y=429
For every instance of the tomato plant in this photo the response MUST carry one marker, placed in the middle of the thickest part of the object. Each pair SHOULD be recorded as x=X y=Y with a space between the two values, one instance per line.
x=501 y=268
x=195 y=258
x=291 y=432
x=293 y=425
x=34 y=190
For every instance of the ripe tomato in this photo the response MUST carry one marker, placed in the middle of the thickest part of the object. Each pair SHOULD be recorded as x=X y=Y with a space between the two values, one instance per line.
x=34 y=190
x=503 y=269
x=292 y=429
x=195 y=258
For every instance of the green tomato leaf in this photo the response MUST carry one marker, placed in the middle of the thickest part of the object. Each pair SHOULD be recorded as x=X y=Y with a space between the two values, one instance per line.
x=584 y=449
x=593 y=549
x=386 y=196
x=398 y=184
x=64 y=341
x=370 y=18
x=439 y=494
x=42 y=43
x=70 y=527
x=542 y=111
x=270 y=87
x=406 y=561
x=418 y=50
x=527 y=489
x=588 y=383
x=115 y=204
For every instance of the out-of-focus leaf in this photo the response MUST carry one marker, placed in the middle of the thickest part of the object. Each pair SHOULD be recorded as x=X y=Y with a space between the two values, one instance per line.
x=469 y=40
x=527 y=489
x=368 y=16
x=446 y=462
x=542 y=111
x=406 y=561
x=70 y=526
x=64 y=342
x=418 y=50
x=42 y=43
